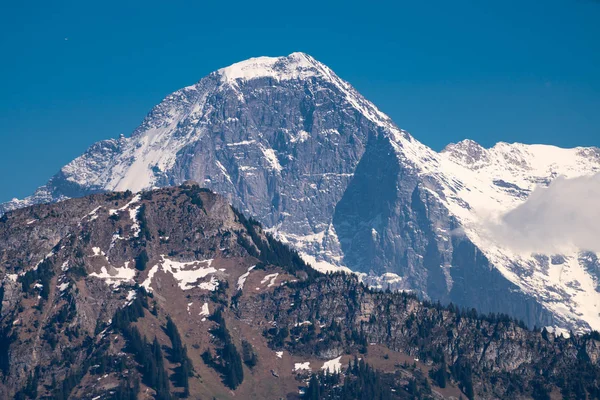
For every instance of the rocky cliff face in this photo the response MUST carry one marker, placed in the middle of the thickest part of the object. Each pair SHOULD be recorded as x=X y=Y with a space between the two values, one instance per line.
x=287 y=141
x=156 y=295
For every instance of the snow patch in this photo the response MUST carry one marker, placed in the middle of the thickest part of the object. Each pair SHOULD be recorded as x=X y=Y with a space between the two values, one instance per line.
x=242 y=143
x=211 y=285
x=130 y=295
x=271 y=277
x=224 y=171
x=146 y=284
x=322 y=265
x=559 y=331
x=305 y=366
x=115 y=276
x=186 y=274
x=93 y=214
x=135 y=227
x=243 y=277
x=300 y=137
x=333 y=366
x=134 y=200
x=205 y=312
x=271 y=159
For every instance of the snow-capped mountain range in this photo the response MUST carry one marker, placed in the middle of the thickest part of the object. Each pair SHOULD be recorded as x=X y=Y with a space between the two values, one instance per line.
x=288 y=141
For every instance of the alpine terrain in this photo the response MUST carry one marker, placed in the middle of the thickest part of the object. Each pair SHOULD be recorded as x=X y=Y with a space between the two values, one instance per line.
x=288 y=142
x=173 y=293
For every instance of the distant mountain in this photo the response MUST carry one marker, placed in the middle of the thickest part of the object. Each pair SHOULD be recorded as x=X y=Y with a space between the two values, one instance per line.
x=287 y=141
x=173 y=293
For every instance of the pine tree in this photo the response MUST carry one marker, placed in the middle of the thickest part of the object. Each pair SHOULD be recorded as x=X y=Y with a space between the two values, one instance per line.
x=230 y=361
x=233 y=370
x=248 y=354
x=186 y=371
x=161 y=383
x=141 y=260
x=440 y=375
x=313 y=391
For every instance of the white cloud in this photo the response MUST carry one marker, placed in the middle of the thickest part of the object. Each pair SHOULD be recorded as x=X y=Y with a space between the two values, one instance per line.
x=562 y=217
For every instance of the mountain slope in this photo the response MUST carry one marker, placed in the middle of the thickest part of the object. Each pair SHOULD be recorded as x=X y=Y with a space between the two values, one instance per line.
x=174 y=293
x=287 y=141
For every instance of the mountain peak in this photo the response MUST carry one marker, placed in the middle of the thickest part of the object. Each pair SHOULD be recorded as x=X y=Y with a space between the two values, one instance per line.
x=463 y=144
x=294 y=66
x=466 y=152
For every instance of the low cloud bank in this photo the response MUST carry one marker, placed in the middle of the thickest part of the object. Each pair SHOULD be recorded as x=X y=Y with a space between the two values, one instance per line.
x=563 y=216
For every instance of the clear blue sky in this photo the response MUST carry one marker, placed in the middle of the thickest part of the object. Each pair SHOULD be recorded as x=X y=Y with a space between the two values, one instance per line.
x=72 y=73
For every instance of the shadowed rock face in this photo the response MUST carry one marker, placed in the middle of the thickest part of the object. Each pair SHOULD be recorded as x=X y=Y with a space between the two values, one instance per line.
x=363 y=222
x=288 y=142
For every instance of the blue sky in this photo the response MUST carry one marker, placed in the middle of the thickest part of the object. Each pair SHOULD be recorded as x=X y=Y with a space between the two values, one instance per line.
x=73 y=73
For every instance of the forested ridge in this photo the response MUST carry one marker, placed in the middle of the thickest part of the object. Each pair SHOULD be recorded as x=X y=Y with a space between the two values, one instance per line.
x=175 y=294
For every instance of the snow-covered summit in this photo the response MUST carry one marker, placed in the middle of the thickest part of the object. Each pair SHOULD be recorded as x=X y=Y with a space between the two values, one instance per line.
x=295 y=66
